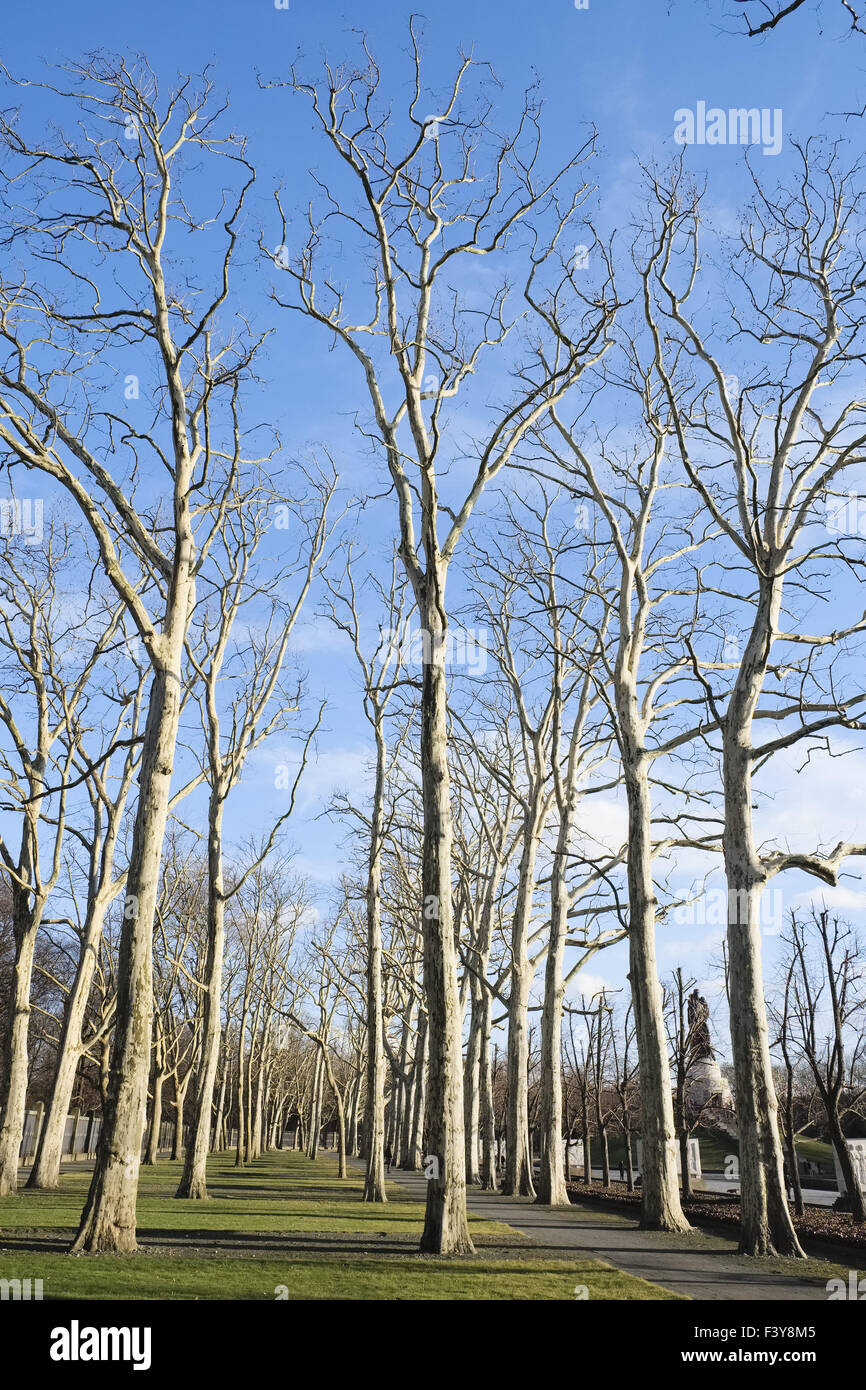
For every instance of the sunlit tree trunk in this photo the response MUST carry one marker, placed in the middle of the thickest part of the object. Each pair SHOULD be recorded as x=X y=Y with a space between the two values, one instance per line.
x=518 y=1168
x=15 y=1049
x=193 y=1182
x=446 y=1231
x=46 y=1167
x=767 y=1227
x=660 y=1195
x=551 y=1179
x=374 y=1117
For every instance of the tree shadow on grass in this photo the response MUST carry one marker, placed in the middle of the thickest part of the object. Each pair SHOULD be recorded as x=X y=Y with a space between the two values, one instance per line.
x=236 y=1244
x=295 y=1192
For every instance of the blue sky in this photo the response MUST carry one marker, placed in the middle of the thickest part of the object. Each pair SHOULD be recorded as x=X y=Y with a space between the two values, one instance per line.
x=624 y=65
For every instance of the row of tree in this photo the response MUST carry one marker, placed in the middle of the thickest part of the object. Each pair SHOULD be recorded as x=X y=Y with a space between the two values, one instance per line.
x=630 y=460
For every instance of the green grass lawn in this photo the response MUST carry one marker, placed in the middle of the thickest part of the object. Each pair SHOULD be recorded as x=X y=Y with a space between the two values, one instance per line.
x=283 y=1227
x=816 y=1150
x=716 y=1146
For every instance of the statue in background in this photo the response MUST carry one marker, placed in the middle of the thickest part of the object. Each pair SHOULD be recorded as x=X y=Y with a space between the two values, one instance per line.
x=700 y=1046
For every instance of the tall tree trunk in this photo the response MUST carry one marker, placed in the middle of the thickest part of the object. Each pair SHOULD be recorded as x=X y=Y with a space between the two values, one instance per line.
x=15 y=1048
x=799 y=1204
x=219 y=1123
x=249 y=1098
x=400 y=1094
x=45 y=1173
x=489 y=1174
x=46 y=1167
x=587 y=1144
x=352 y=1118
x=660 y=1196
x=551 y=1179
x=416 y=1147
x=240 y=1100
x=518 y=1168
x=193 y=1183
x=374 y=1114
x=152 y=1151
x=446 y=1229
x=104 y=1062
x=472 y=1087
x=316 y=1110
x=849 y=1172
x=405 y=1134
x=391 y=1115
x=177 y=1147
x=605 y=1155
x=341 y=1115
x=108 y=1220
x=684 y=1162
x=258 y=1111
x=767 y=1226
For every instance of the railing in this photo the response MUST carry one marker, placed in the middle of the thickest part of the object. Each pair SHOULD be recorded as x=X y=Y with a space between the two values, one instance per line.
x=80 y=1134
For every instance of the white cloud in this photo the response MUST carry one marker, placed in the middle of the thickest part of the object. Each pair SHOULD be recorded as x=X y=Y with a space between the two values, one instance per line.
x=587 y=984
x=336 y=769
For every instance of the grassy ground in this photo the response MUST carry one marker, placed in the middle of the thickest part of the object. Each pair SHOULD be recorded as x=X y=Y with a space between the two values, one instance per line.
x=283 y=1228
x=715 y=1147
x=816 y=1150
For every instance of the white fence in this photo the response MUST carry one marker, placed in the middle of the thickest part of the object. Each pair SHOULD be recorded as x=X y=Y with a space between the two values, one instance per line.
x=80 y=1134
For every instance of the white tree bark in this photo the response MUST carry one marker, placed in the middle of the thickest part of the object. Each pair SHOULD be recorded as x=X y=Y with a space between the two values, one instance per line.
x=767 y=1227
x=446 y=1229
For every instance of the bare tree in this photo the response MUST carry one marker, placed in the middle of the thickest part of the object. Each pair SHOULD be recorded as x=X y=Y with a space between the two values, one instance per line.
x=46 y=677
x=547 y=632
x=258 y=709
x=485 y=838
x=760 y=17
x=581 y=1074
x=826 y=964
x=764 y=456
x=599 y=1023
x=652 y=607
x=103 y=883
x=428 y=203
x=626 y=1068
x=111 y=193
x=683 y=1039
x=380 y=673
x=781 y=1017
x=124 y=683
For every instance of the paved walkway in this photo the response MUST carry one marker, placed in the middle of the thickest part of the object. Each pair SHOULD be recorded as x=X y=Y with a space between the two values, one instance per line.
x=702 y=1267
